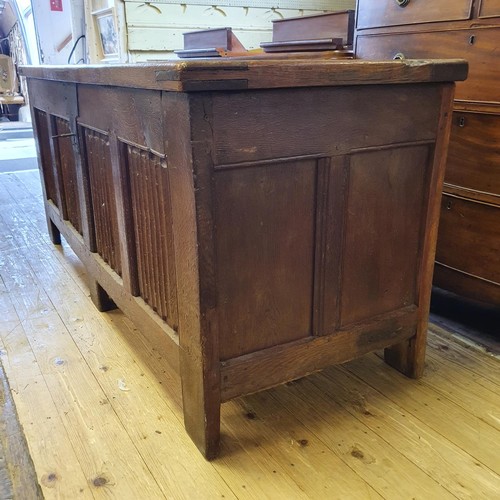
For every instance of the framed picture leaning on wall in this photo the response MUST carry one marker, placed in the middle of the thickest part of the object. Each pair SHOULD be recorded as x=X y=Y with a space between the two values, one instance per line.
x=106 y=27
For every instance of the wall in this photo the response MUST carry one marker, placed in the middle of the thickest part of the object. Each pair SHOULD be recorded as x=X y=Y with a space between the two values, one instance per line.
x=7 y=20
x=57 y=31
x=154 y=29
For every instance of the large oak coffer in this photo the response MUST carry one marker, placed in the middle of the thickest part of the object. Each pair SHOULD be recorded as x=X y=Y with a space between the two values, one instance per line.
x=264 y=218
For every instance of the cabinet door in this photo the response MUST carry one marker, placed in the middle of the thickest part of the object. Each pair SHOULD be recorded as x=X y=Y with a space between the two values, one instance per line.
x=489 y=8
x=397 y=12
x=477 y=46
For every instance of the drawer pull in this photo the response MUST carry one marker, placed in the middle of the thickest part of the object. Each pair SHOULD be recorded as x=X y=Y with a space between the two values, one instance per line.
x=399 y=57
x=402 y=3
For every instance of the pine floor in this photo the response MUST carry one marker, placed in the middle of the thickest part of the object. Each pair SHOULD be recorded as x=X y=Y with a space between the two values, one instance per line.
x=102 y=416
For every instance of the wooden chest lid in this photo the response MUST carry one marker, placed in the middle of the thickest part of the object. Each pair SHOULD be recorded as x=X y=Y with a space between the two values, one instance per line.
x=259 y=73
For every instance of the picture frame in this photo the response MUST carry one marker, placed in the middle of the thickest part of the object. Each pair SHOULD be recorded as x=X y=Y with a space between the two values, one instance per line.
x=108 y=33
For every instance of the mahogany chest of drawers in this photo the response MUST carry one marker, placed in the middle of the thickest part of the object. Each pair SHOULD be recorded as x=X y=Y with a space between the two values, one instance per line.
x=264 y=218
x=468 y=249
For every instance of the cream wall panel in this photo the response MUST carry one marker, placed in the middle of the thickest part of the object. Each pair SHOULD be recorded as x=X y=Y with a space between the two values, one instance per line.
x=168 y=39
x=280 y=4
x=159 y=26
x=157 y=15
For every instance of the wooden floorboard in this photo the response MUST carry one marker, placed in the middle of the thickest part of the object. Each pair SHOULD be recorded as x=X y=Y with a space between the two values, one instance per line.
x=101 y=410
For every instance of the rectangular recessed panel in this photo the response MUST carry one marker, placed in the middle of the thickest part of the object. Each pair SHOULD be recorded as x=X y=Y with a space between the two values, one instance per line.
x=384 y=219
x=469 y=237
x=43 y=137
x=152 y=226
x=489 y=8
x=374 y=14
x=103 y=199
x=474 y=152
x=332 y=120
x=265 y=230
x=67 y=168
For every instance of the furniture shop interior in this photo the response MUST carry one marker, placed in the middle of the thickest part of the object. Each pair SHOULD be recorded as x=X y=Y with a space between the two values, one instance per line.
x=249 y=249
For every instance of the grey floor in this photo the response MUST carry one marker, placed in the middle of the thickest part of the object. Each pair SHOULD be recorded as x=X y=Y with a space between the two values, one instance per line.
x=17 y=146
x=17 y=475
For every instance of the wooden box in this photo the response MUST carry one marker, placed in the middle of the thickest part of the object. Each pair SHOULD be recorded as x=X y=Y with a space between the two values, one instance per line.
x=330 y=31
x=264 y=218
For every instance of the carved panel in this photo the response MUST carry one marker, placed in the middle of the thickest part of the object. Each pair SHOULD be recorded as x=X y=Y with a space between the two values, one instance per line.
x=152 y=227
x=102 y=194
x=67 y=167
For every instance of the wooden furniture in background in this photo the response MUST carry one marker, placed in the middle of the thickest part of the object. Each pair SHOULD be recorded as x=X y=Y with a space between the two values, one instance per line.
x=264 y=218
x=217 y=42
x=468 y=249
x=330 y=31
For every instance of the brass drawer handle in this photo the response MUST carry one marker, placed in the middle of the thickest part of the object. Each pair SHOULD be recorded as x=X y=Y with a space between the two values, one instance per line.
x=402 y=3
x=399 y=57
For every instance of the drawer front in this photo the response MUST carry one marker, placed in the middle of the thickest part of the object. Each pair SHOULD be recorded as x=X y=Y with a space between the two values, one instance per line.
x=474 y=152
x=489 y=8
x=478 y=46
x=397 y=12
x=469 y=237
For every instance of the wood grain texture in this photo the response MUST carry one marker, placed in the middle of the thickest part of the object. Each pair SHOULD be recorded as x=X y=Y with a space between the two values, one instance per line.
x=63 y=144
x=264 y=125
x=365 y=452
x=481 y=84
x=474 y=151
x=111 y=283
x=435 y=29
x=470 y=228
x=389 y=13
x=265 y=255
x=259 y=73
x=152 y=228
x=439 y=412
x=331 y=25
x=288 y=362
x=58 y=101
x=238 y=212
x=466 y=284
x=131 y=114
x=371 y=429
x=395 y=425
x=17 y=474
x=198 y=356
x=380 y=263
x=98 y=156
x=42 y=128
x=489 y=8
x=409 y=357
